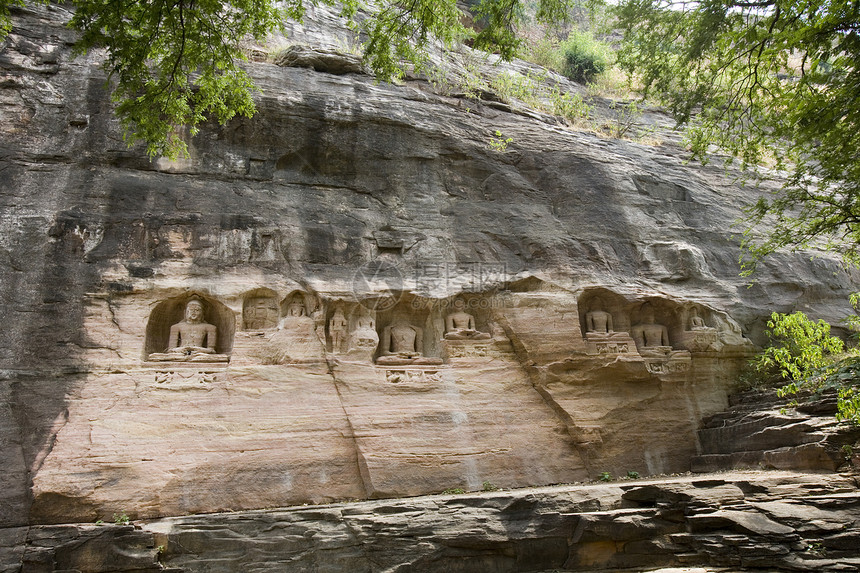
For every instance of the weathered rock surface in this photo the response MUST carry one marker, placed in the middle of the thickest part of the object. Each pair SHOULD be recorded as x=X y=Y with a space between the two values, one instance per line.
x=761 y=429
x=383 y=201
x=774 y=521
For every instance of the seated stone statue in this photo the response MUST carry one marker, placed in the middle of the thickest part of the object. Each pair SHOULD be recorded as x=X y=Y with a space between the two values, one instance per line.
x=651 y=338
x=460 y=325
x=402 y=343
x=296 y=309
x=700 y=337
x=364 y=336
x=696 y=322
x=191 y=340
x=598 y=320
x=296 y=338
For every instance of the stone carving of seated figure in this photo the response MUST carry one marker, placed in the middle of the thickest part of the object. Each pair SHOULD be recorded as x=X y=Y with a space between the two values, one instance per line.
x=460 y=325
x=598 y=320
x=191 y=339
x=402 y=343
x=696 y=321
x=651 y=338
x=700 y=337
x=296 y=309
x=364 y=337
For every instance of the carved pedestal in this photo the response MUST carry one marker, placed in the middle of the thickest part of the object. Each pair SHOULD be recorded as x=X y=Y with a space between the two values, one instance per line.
x=196 y=357
x=406 y=359
x=674 y=361
x=467 y=349
x=702 y=340
x=413 y=376
x=609 y=343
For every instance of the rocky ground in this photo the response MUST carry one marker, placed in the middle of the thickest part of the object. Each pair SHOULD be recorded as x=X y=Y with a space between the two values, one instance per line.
x=731 y=521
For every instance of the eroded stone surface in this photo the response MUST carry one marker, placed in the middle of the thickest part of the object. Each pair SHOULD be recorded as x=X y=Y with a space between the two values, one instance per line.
x=377 y=199
x=725 y=522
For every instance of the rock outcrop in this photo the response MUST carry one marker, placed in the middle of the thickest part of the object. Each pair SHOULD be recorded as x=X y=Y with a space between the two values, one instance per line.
x=763 y=430
x=323 y=244
x=774 y=521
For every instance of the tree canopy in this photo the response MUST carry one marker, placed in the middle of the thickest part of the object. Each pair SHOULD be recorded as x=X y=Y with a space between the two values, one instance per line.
x=770 y=82
x=174 y=63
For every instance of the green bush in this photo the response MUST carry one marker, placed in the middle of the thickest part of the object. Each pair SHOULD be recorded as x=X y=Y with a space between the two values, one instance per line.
x=799 y=346
x=583 y=57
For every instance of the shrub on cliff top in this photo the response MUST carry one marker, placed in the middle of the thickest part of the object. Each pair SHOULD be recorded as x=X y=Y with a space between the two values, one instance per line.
x=584 y=57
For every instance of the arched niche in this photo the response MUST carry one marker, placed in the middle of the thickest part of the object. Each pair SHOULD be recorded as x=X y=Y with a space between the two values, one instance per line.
x=417 y=311
x=260 y=310
x=479 y=306
x=666 y=312
x=168 y=312
x=601 y=298
x=291 y=304
x=691 y=311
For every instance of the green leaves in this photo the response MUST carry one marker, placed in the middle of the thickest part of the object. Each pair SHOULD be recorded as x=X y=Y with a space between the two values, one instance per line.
x=799 y=346
x=775 y=83
x=174 y=63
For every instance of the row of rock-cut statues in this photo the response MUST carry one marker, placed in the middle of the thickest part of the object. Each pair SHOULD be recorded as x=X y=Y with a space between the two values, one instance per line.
x=650 y=337
x=402 y=343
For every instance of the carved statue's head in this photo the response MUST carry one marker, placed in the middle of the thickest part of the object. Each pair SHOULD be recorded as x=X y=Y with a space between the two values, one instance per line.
x=296 y=307
x=194 y=311
x=647 y=313
x=695 y=312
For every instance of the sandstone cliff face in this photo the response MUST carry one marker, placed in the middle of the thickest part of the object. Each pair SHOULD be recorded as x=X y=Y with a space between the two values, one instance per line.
x=375 y=201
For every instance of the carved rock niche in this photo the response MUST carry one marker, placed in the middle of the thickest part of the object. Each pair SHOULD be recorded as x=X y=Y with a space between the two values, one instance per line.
x=598 y=300
x=665 y=312
x=297 y=304
x=604 y=318
x=260 y=310
x=172 y=311
x=658 y=329
x=427 y=330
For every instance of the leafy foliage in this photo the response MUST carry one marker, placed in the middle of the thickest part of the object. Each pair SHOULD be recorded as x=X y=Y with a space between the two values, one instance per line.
x=584 y=57
x=848 y=405
x=799 y=346
x=176 y=63
x=773 y=81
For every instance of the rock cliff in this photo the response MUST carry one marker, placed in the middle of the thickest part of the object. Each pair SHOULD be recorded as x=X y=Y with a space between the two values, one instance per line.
x=272 y=320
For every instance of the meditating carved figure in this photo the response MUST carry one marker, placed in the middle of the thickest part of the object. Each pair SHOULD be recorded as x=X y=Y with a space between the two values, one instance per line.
x=296 y=308
x=597 y=319
x=402 y=343
x=696 y=322
x=191 y=339
x=700 y=337
x=365 y=335
x=649 y=335
x=192 y=334
x=460 y=325
x=402 y=338
x=337 y=327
